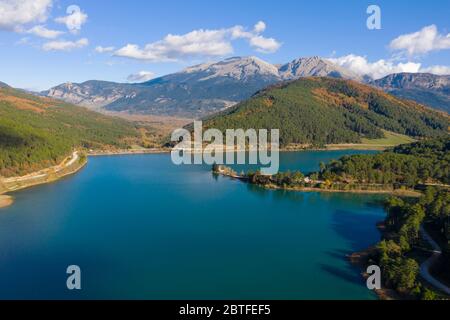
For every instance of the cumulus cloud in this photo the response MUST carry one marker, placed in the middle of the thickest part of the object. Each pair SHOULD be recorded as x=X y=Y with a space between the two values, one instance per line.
x=43 y=32
x=381 y=68
x=101 y=49
x=141 y=76
x=199 y=43
x=439 y=70
x=65 y=45
x=74 y=20
x=264 y=45
x=259 y=27
x=421 y=42
x=15 y=14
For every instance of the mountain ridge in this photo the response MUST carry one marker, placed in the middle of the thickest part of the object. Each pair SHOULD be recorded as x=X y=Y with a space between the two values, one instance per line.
x=195 y=91
x=207 y=88
x=425 y=88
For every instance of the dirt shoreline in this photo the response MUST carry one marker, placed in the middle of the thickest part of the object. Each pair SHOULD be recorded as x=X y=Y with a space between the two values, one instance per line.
x=128 y=152
x=405 y=193
x=361 y=260
x=5 y=201
x=397 y=192
x=69 y=166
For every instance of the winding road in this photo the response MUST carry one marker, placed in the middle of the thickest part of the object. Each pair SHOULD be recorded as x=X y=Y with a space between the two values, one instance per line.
x=425 y=267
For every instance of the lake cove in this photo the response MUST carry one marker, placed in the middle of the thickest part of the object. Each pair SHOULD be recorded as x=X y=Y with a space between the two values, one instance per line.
x=141 y=227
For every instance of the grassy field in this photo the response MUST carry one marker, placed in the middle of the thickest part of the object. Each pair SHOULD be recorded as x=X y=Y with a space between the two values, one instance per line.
x=390 y=139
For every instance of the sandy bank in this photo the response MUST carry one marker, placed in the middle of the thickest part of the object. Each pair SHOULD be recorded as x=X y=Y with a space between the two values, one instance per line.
x=69 y=166
x=5 y=201
x=128 y=152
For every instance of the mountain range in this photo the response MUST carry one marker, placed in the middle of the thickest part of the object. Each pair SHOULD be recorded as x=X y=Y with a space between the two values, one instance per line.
x=196 y=91
x=208 y=88
x=425 y=88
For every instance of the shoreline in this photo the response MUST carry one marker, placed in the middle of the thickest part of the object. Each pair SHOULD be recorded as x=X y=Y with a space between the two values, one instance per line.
x=361 y=260
x=128 y=152
x=397 y=192
x=6 y=201
x=285 y=149
x=67 y=167
x=405 y=193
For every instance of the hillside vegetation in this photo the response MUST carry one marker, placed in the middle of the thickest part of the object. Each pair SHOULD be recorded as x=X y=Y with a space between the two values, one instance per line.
x=323 y=111
x=406 y=165
x=39 y=132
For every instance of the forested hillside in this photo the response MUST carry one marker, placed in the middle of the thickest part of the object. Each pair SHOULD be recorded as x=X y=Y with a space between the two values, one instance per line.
x=408 y=165
x=328 y=111
x=39 y=132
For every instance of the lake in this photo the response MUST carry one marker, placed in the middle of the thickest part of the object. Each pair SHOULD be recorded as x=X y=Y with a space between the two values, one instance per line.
x=140 y=227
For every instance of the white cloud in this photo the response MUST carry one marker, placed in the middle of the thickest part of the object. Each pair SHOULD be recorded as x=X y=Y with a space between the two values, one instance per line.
x=14 y=14
x=74 y=20
x=65 y=45
x=101 y=49
x=141 y=76
x=174 y=47
x=426 y=40
x=259 y=27
x=255 y=39
x=439 y=70
x=43 y=32
x=199 y=43
x=381 y=68
x=264 y=45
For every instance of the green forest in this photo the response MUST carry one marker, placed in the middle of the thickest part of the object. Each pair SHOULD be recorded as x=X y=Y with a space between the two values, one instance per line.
x=411 y=166
x=38 y=132
x=402 y=250
x=406 y=165
x=321 y=111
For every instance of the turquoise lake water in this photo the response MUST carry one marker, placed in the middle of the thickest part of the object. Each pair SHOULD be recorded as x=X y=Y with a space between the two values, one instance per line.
x=142 y=228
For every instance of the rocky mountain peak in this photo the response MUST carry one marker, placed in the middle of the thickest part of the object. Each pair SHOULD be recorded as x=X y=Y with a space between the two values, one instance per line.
x=314 y=67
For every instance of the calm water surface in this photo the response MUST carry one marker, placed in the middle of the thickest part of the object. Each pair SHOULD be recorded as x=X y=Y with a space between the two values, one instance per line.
x=140 y=227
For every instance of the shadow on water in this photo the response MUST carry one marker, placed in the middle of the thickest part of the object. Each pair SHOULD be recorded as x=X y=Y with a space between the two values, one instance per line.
x=354 y=228
x=338 y=254
x=348 y=275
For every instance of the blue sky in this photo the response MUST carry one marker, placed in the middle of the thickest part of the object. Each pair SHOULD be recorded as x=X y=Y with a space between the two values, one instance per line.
x=43 y=44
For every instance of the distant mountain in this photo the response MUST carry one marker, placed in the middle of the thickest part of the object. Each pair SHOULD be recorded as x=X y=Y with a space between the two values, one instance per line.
x=202 y=89
x=425 y=88
x=315 y=67
x=3 y=85
x=196 y=91
x=37 y=132
x=328 y=111
x=92 y=94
